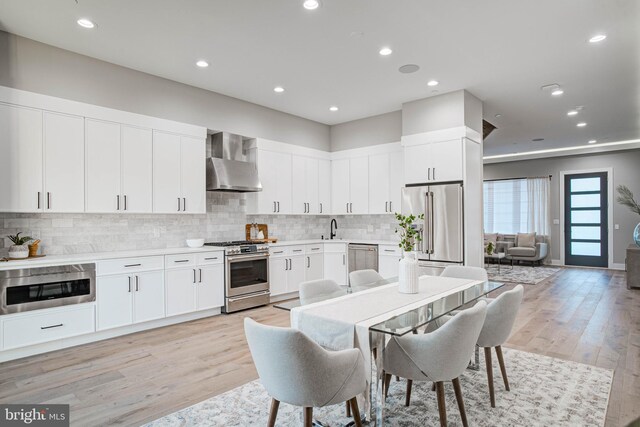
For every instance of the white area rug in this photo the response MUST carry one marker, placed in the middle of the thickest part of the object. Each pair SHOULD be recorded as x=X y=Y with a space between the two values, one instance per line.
x=545 y=391
x=520 y=274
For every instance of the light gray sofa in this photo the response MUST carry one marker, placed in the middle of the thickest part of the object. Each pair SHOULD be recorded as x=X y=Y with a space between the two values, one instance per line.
x=508 y=244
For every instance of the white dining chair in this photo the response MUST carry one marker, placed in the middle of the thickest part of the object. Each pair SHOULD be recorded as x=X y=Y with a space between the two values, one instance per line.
x=465 y=272
x=364 y=277
x=312 y=290
x=439 y=356
x=296 y=370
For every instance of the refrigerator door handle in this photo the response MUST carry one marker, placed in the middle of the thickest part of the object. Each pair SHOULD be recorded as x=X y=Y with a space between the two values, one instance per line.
x=431 y=224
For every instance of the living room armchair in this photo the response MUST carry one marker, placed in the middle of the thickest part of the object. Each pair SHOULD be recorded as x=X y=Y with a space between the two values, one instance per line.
x=532 y=251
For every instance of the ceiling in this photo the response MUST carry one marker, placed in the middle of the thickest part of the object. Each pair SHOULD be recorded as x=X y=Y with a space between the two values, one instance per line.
x=502 y=51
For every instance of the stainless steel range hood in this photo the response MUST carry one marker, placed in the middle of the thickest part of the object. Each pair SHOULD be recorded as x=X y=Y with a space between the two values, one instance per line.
x=227 y=169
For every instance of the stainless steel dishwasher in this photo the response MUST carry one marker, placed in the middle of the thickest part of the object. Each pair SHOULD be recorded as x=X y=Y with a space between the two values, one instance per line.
x=363 y=257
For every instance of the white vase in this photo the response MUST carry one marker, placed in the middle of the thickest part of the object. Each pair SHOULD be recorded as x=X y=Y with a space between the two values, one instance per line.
x=18 y=251
x=408 y=274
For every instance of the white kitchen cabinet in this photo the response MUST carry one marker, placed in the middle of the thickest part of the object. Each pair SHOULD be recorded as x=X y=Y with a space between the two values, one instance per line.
x=103 y=166
x=287 y=265
x=296 y=274
x=388 y=260
x=210 y=287
x=350 y=185
x=304 y=185
x=278 y=269
x=63 y=163
x=324 y=187
x=137 y=169
x=340 y=194
x=335 y=262
x=130 y=298
x=440 y=161
x=178 y=174
x=385 y=182
x=21 y=160
x=181 y=288
x=275 y=172
x=314 y=266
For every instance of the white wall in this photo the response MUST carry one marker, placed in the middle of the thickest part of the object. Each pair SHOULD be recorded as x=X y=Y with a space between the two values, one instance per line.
x=29 y=65
x=374 y=130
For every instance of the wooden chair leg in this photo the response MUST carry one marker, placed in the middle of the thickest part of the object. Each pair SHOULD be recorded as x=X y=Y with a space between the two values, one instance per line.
x=387 y=381
x=458 y=391
x=487 y=357
x=442 y=408
x=355 y=411
x=308 y=417
x=348 y=410
x=407 y=399
x=503 y=368
x=275 y=404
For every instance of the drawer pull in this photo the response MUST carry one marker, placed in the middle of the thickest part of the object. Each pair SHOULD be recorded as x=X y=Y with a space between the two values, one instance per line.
x=297 y=250
x=209 y=259
x=133 y=265
x=182 y=260
x=389 y=250
x=52 y=326
x=315 y=249
x=278 y=252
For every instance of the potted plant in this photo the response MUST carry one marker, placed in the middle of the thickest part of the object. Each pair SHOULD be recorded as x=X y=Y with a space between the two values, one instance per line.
x=408 y=269
x=625 y=198
x=490 y=248
x=19 y=249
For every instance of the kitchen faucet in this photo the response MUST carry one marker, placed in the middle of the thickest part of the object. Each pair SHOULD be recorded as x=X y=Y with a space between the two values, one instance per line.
x=333 y=233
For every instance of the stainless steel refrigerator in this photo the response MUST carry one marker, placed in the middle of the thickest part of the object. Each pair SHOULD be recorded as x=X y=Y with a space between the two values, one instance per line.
x=442 y=228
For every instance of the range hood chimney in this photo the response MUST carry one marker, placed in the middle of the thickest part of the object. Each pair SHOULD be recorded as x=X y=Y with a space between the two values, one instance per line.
x=227 y=169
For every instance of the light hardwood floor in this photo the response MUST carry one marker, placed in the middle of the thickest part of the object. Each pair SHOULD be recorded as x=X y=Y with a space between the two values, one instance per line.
x=585 y=315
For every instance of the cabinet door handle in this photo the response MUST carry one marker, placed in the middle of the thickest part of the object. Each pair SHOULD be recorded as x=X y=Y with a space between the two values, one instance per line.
x=429 y=174
x=344 y=259
x=308 y=262
x=48 y=200
x=386 y=204
x=194 y=275
x=118 y=202
x=347 y=207
x=434 y=174
x=278 y=252
x=286 y=264
x=210 y=258
x=389 y=250
x=52 y=326
x=38 y=200
x=320 y=207
x=181 y=260
x=137 y=283
x=200 y=270
x=184 y=204
x=178 y=204
x=125 y=202
x=132 y=265
x=351 y=207
x=129 y=277
x=278 y=207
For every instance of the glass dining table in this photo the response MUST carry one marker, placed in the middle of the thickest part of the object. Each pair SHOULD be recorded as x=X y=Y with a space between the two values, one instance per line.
x=409 y=321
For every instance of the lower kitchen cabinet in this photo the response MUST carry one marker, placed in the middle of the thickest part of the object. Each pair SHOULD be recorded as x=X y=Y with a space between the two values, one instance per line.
x=335 y=267
x=181 y=287
x=131 y=298
x=314 y=267
x=388 y=260
x=295 y=275
x=286 y=273
x=210 y=292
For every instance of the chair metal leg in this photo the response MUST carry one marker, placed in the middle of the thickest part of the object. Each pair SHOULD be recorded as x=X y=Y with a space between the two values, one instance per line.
x=407 y=399
x=275 y=404
x=487 y=357
x=348 y=409
x=503 y=368
x=442 y=408
x=387 y=381
x=355 y=411
x=308 y=417
x=433 y=387
x=458 y=391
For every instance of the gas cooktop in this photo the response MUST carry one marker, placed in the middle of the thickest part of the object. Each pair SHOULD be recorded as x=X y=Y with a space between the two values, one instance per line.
x=231 y=243
x=241 y=247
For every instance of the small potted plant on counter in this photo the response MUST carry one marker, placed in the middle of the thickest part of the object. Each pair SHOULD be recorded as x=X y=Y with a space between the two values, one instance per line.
x=408 y=269
x=19 y=249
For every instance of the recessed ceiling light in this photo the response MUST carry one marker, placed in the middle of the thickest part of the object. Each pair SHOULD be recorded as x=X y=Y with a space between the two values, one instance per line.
x=433 y=83
x=497 y=116
x=278 y=89
x=557 y=92
x=86 y=23
x=202 y=63
x=592 y=141
x=333 y=108
x=597 y=38
x=581 y=124
x=409 y=68
x=311 y=4
x=572 y=112
x=385 y=51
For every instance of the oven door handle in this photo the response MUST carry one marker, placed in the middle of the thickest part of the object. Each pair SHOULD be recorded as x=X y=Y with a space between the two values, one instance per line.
x=255 y=294
x=247 y=257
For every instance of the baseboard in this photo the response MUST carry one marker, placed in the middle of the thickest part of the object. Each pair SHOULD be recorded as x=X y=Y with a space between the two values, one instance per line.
x=618 y=266
x=557 y=262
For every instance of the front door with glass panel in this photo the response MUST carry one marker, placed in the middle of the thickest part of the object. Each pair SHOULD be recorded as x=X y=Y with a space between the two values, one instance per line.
x=585 y=220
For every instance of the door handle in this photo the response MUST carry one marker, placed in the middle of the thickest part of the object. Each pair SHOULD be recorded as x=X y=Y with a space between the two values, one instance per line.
x=38 y=200
x=308 y=262
x=184 y=204
x=344 y=259
x=347 y=207
x=434 y=174
x=52 y=326
x=390 y=206
x=286 y=264
x=428 y=174
x=137 y=283
x=351 y=207
x=129 y=277
x=385 y=206
x=274 y=206
x=132 y=265
x=278 y=207
x=320 y=207
x=125 y=202
x=118 y=202
x=48 y=200
x=200 y=270
x=194 y=275
x=178 y=204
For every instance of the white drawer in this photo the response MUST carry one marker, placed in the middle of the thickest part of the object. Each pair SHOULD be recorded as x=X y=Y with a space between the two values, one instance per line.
x=279 y=251
x=180 y=261
x=335 y=247
x=210 y=258
x=297 y=250
x=314 y=249
x=129 y=265
x=26 y=330
x=389 y=250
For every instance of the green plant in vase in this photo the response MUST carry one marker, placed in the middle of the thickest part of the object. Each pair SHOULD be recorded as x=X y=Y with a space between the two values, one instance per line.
x=490 y=248
x=625 y=198
x=409 y=236
x=19 y=249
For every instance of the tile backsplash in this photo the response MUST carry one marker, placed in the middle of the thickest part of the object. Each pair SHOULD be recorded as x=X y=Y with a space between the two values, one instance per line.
x=225 y=220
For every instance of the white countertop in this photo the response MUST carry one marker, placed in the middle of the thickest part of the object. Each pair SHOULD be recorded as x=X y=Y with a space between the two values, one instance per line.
x=343 y=241
x=51 y=260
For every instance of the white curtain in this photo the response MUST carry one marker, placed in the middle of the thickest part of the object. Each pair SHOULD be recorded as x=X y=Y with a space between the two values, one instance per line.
x=538 y=206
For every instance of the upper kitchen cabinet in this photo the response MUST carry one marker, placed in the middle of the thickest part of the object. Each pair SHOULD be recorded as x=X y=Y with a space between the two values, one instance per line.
x=305 y=185
x=324 y=186
x=63 y=163
x=119 y=168
x=178 y=174
x=439 y=161
x=275 y=172
x=385 y=182
x=21 y=160
x=350 y=185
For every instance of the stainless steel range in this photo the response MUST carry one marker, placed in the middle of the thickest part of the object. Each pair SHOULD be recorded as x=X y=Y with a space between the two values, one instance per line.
x=246 y=274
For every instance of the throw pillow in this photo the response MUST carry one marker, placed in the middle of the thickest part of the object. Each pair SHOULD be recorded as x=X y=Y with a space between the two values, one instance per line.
x=526 y=240
x=490 y=237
